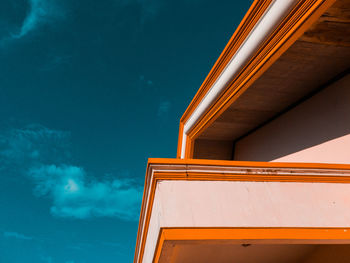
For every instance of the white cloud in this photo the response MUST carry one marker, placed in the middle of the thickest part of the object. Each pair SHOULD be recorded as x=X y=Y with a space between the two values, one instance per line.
x=41 y=154
x=40 y=12
x=17 y=236
x=75 y=196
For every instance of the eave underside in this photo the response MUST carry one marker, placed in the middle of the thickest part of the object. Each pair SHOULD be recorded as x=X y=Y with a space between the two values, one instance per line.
x=317 y=59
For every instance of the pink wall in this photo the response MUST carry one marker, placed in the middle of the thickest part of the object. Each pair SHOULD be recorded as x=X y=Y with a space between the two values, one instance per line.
x=246 y=204
x=317 y=130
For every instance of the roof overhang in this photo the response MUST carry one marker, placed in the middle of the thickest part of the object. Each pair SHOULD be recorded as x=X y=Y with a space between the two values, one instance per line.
x=214 y=202
x=267 y=32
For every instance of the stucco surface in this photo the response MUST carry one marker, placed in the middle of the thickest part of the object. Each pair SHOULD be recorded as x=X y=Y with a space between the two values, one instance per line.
x=246 y=204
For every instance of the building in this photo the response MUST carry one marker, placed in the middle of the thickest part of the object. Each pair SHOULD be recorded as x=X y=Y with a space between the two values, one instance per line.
x=263 y=163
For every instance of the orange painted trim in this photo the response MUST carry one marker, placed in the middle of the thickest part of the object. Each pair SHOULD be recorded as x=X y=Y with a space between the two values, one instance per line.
x=189 y=149
x=141 y=241
x=303 y=15
x=292 y=27
x=254 y=236
x=159 y=246
x=142 y=213
x=205 y=176
x=255 y=12
x=169 y=161
x=294 y=233
x=153 y=177
x=179 y=142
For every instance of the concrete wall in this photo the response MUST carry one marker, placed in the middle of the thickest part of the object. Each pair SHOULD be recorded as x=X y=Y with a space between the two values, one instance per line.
x=317 y=130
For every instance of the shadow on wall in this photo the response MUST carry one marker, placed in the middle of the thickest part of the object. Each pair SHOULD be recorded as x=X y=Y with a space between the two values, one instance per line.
x=317 y=130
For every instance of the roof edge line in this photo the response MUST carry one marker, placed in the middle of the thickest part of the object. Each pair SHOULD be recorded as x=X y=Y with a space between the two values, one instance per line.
x=260 y=32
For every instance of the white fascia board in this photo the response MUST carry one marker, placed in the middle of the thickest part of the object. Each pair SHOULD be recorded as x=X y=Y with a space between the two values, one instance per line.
x=267 y=23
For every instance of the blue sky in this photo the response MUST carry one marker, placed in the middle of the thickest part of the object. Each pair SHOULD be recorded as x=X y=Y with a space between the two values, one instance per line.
x=90 y=90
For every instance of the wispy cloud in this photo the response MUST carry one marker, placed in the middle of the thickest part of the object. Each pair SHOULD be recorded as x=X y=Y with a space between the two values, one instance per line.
x=112 y=244
x=43 y=157
x=16 y=236
x=88 y=245
x=74 y=195
x=145 y=83
x=46 y=259
x=39 y=12
x=163 y=108
x=55 y=61
x=33 y=145
x=148 y=8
